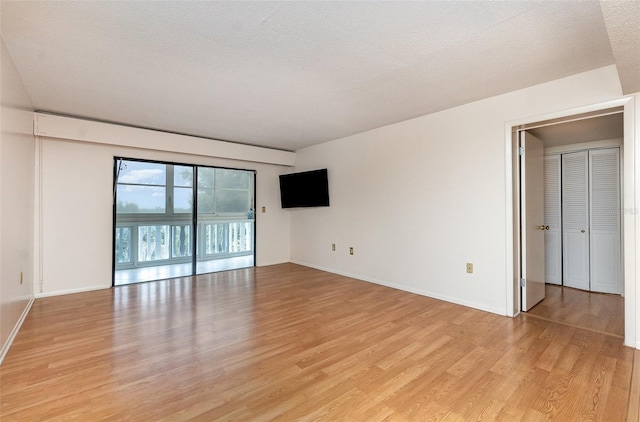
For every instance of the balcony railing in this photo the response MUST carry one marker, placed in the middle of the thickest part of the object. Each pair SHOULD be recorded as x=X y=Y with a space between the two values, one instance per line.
x=160 y=243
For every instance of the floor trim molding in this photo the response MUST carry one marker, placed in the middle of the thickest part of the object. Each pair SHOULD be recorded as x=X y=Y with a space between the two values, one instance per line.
x=14 y=332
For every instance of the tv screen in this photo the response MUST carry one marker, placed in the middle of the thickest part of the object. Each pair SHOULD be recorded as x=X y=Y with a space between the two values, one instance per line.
x=306 y=189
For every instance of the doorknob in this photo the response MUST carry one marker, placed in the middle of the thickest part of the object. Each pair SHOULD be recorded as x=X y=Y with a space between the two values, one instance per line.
x=582 y=231
x=541 y=227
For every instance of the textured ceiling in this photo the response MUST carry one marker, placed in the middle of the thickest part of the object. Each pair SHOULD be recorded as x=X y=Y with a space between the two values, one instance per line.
x=291 y=74
x=622 y=20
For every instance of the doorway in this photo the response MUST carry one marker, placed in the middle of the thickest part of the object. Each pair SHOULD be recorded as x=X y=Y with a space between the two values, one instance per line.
x=175 y=220
x=560 y=299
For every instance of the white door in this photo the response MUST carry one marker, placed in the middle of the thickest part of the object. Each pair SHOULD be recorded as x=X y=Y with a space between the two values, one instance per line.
x=605 y=239
x=552 y=220
x=575 y=220
x=532 y=220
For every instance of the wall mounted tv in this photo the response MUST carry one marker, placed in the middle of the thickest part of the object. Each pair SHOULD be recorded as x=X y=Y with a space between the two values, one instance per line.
x=306 y=189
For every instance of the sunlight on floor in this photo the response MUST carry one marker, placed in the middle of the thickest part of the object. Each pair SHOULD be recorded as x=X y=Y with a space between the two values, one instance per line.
x=161 y=272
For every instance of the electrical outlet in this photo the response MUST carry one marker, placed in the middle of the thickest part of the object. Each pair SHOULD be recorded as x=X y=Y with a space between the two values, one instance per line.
x=264 y=209
x=469 y=267
x=351 y=250
x=333 y=247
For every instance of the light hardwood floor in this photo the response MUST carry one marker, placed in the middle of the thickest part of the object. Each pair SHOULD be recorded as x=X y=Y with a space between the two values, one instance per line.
x=161 y=272
x=292 y=343
x=594 y=311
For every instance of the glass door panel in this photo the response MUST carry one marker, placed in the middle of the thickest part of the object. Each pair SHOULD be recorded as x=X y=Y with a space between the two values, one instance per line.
x=225 y=219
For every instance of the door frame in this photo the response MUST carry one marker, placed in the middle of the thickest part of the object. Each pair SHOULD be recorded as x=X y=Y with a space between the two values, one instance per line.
x=630 y=215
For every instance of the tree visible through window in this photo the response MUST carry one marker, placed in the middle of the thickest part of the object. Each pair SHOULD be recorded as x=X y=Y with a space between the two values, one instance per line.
x=224 y=191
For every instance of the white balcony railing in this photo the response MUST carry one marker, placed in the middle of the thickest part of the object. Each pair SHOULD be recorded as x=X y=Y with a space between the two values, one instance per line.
x=160 y=243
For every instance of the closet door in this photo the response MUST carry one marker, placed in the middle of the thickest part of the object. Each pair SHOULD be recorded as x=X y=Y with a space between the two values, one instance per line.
x=552 y=220
x=606 y=262
x=575 y=220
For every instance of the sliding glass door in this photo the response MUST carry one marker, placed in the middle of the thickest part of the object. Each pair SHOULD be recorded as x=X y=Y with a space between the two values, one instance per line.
x=225 y=219
x=155 y=213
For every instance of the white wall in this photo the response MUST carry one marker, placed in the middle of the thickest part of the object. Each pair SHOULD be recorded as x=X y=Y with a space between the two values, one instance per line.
x=76 y=210
x=419 y=199
x=17 y=146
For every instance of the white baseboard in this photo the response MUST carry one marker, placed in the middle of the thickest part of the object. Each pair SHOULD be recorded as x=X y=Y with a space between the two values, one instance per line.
x=14 y=332
x=72 y=291
x=268 y=264
x=420 y=292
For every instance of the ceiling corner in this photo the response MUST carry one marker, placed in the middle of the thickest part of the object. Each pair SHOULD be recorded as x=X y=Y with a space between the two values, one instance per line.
x=622 y=19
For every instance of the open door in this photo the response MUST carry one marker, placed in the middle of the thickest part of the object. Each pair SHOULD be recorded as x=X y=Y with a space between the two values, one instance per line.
x=532 y=227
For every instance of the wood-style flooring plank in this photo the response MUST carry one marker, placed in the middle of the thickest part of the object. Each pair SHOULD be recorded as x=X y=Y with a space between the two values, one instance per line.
x=634 y=393
x=593 y=311
x=287 y=342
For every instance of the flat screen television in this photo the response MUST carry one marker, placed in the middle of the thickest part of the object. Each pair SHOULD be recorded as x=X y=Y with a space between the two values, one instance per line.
x=305 y=189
